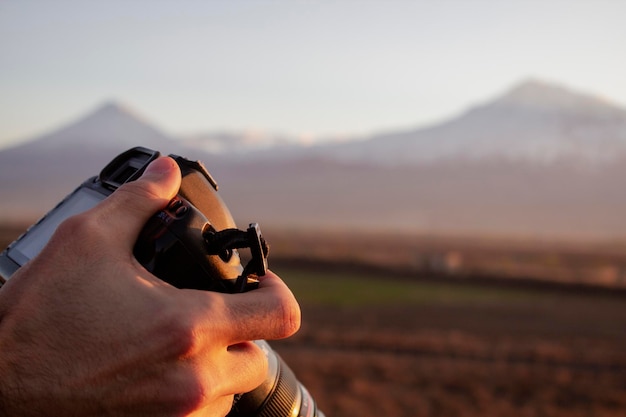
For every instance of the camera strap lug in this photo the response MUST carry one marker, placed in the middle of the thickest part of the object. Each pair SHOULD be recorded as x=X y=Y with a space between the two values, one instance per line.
x=224 y=241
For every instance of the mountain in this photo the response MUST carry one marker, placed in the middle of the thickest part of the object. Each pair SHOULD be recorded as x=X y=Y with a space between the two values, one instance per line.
x=535 y=121
x=539 y=161
x=39 y=172
x=111 y=126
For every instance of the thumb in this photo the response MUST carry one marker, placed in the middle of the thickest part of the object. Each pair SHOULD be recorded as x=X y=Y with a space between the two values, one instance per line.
x=130 y=206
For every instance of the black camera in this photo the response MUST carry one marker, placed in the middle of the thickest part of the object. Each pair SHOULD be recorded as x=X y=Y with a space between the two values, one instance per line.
x=192 y=243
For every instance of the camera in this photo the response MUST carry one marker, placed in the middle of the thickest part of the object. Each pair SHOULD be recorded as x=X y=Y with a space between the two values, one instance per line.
x=192 y=243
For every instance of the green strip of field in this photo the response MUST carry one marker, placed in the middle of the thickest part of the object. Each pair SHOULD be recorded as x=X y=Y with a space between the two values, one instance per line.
x=353 y=289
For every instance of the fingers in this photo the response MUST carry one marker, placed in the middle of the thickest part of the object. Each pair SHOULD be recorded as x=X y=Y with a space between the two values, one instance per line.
x=225 y=373
x=245 y=368
x=269 y=312
x=130 y=206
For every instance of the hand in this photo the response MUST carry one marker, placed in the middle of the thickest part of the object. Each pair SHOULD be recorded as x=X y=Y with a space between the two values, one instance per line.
x=85 y=330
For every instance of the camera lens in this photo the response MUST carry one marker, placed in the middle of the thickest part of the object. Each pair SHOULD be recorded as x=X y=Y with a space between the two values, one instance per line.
x=280 y=395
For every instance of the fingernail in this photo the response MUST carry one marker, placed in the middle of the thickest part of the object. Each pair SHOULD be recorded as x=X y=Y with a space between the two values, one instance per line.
x=159 y=168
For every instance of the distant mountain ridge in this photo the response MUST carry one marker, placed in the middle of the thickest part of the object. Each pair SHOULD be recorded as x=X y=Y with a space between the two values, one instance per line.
x=39 y=172
x=547 y=96
x=540 y=160
x=535 y=122
x=110 y=126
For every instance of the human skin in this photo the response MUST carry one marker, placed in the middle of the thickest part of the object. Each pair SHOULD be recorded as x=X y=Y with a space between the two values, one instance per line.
x=85 y=330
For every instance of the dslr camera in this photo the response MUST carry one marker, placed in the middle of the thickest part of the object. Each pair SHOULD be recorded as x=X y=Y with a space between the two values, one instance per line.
x=192 y=243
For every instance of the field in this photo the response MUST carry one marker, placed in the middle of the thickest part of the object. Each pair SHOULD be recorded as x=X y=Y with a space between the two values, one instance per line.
x=390 y=333
x=372 y=347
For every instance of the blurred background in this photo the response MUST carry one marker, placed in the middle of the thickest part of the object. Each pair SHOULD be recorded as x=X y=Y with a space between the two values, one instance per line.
x=441 y=182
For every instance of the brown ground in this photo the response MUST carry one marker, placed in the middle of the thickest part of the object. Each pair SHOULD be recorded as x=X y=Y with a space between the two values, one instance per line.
x=565 y=358
x=557 y=355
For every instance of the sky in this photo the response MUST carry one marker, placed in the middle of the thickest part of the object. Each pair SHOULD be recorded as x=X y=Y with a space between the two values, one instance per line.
x=312 y=69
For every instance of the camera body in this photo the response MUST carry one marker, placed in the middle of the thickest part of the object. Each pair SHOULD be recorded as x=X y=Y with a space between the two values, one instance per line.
x=170 y=245
x=192 y=243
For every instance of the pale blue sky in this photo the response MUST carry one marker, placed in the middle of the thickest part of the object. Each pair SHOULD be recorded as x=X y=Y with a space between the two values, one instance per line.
x=298 y=67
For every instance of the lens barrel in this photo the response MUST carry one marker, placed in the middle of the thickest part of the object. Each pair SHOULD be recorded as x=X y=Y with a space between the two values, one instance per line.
x=280 y=395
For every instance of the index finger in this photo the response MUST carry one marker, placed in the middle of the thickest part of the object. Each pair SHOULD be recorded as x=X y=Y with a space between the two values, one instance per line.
x=269 y=312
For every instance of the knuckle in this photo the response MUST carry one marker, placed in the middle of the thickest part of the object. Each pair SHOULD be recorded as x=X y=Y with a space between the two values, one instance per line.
x=188 y=398
x=78 y=232
x=185 y=395
x=74 y=226
x=183 y=340
x=193 y=380
x=186 y=330
x=191 y=393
